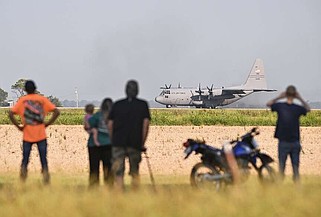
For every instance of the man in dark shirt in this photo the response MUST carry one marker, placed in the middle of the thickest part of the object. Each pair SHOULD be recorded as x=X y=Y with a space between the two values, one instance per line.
x=288 y=128
x=128 y=128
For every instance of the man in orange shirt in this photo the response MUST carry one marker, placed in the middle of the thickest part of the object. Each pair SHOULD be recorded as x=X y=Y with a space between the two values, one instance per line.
x=32 y=109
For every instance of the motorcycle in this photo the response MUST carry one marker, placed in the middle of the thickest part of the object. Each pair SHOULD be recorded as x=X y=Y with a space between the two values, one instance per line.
x=215 y=170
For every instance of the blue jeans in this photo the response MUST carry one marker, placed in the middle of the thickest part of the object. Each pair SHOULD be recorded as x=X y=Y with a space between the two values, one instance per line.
x=293 y=149
x=42 y=149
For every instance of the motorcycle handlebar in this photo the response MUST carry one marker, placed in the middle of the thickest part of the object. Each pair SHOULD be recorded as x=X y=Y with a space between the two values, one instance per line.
x=254 y=131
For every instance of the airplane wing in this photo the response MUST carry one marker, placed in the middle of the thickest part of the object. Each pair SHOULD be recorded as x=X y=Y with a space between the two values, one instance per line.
x=241 y=91
x=267 y=90
x=232 y=91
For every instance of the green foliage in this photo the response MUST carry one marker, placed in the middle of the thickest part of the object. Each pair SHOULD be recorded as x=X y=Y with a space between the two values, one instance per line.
x=224 y=117
x=71 y=117
x=18 y=87
x=3 y=96
x=195 y=117
x=312 y=119
x=55 y=101
x=4 y=116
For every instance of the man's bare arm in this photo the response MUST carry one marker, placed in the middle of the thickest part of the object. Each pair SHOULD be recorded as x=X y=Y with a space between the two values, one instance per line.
x=145 y=132
x=304 y=103
x=271 y=102
x=14 y=121
x=110 y=125
x=54 y=116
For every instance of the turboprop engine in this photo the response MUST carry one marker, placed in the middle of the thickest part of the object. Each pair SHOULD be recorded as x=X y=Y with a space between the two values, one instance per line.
x=217 y=92
x=197 y=102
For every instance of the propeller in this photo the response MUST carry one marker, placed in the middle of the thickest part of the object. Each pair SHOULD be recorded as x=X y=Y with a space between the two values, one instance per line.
x=167 y=87
x=199 y=91
x=210 y=91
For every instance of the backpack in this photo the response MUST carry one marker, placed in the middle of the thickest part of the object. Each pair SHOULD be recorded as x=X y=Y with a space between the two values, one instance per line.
x=33 y=113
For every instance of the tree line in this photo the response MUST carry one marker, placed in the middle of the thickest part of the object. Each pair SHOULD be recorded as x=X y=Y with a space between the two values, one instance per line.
x=18 y=89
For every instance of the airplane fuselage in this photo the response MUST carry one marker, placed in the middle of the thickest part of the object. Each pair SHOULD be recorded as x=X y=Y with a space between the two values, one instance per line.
x=190 y=97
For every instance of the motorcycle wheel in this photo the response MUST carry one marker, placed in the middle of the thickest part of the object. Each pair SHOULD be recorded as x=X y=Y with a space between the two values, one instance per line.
x=198 y=177
x=267 y=174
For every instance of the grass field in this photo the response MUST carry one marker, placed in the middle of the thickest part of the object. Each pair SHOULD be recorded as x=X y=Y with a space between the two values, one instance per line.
x=69 y=196
x=196 y=117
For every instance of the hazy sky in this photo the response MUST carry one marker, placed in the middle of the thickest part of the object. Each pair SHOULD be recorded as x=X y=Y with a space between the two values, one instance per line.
x=98 y=45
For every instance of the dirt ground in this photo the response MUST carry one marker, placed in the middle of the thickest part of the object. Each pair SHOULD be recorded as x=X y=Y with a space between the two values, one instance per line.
x=67 y=151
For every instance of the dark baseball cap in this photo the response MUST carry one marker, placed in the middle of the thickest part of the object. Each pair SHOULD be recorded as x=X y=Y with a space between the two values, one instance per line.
x=30 y=86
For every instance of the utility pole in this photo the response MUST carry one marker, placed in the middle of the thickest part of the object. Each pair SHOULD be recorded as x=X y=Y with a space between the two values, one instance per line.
x=77 y=97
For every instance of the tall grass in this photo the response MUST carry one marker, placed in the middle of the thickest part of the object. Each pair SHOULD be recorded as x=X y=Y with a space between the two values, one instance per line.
x=197 y=117
x=69 y=196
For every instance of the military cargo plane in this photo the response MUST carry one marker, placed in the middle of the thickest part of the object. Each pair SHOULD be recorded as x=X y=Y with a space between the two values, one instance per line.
x=212 y=97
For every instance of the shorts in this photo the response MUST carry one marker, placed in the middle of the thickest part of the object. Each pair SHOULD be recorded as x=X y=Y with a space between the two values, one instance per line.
x=119 y=154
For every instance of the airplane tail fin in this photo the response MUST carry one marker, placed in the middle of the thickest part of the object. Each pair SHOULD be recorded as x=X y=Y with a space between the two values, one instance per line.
x=256 y=79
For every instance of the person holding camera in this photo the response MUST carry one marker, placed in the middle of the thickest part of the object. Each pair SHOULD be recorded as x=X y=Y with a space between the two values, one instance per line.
x=287 y=129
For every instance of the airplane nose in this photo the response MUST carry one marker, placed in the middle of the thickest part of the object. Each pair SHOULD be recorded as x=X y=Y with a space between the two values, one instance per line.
x=159 y=99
